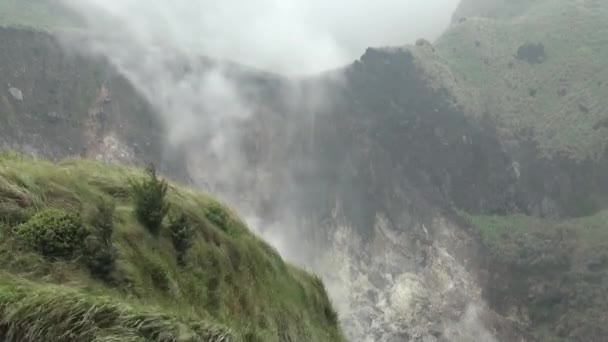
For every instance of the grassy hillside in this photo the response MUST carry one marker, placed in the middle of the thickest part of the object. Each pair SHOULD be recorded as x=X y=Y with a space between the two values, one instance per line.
x=140 y=286
x=558 y=96
x=39 y=14
x=552 y=274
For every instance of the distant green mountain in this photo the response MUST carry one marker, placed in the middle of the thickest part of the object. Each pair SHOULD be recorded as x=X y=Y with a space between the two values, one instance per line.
x=38 y=14
x=536 y=70
x=555 y=94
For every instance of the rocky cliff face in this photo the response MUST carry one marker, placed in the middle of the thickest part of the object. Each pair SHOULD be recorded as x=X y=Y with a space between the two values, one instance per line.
x=370 y=174
x=364 y=178
x=385 y=161
x=537 y=72
x=55 y=103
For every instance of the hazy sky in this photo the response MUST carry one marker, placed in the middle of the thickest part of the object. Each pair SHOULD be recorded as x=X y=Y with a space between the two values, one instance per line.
x=289 y=36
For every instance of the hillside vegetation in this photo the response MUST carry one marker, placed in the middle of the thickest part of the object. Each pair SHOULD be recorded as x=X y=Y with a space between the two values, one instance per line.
x=538 y=70
x=552 y=275
x=76 y=264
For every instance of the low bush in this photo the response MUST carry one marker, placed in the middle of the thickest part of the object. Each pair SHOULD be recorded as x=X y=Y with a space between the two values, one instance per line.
x=100 y=259
x=532 y=53
x=53 y=233
x=100 y=256
x=181 y=236
x=218 y=216
x=149 y=195
x=103 y=221
x=4 y=228
x=158 y=276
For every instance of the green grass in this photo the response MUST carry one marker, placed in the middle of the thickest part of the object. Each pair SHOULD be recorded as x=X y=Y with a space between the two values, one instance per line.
x=38 y=14
x=230 y=279
x=555 y=270
x=527 y=241
x=480 y=52
x=34 y=312
x=590 y=231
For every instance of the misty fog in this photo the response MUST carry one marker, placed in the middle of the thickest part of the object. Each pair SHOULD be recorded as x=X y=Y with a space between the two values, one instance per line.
x=202 y=107
x=295 y=36
x=317 y=170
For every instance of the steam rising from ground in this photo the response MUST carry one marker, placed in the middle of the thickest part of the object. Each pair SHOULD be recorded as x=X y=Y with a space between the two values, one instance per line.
x=158 y=45
x=288 y=36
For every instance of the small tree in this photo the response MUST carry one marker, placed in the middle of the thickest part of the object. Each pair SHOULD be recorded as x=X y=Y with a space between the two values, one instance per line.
x=103 y=221
x=181 y=236
x=100 y=254
x=149 y=195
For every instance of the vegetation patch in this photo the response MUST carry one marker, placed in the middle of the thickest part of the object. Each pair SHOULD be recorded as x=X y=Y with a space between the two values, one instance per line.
x=555 y=270
x=149 y=195
x=563 y=61
x=32 y=313
x=532 y=53
x=218 y=216
x=181 y=235
x=53 y=233
x=202 y=269
x=100 y=255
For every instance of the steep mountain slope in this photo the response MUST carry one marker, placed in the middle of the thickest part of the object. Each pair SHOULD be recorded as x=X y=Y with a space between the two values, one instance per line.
x=55 y=103
x=384 y=164
x=299 y=174
x=549 y=274
x=538 y=71
x=555 y=91
x=540 y=75
x=131 y=285
x=446 y=192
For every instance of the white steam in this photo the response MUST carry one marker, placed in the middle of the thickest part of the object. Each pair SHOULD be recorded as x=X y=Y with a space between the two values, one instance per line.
x=158 y=46
x=288 y=36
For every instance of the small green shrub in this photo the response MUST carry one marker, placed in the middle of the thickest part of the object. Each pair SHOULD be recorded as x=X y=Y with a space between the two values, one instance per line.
x=100 y=256
x=149 y=195
x=53 y=233
x=218 y=216
x=181 y=236
x=100 y=259
x=103 y=221
x=158 y=276
x=331 y=315
x=328 y=311
x=4 y=228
